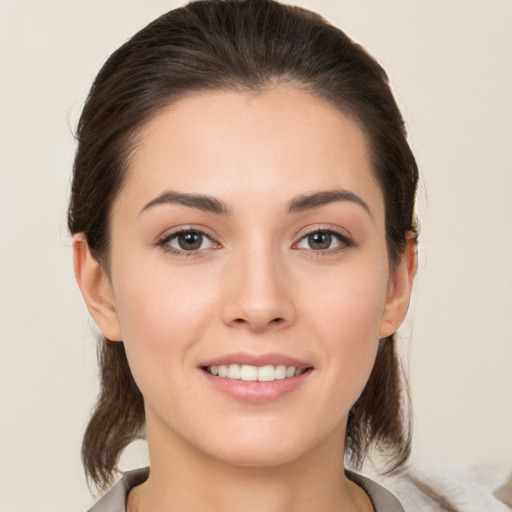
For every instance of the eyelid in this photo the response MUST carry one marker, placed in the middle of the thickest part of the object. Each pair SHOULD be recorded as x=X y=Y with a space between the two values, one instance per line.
x=343 y=236
x=164 y=239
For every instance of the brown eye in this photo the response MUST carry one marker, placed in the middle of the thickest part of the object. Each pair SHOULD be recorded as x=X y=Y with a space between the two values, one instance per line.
x=188 y=241
x=323 y=240
x=320 y=241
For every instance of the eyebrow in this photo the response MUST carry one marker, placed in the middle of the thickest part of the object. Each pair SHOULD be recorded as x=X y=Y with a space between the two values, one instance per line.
x=298 y=204
x=198 y=201
x=317 y=199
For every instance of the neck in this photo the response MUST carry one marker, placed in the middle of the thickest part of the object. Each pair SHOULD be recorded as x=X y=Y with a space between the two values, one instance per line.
x=187 y=480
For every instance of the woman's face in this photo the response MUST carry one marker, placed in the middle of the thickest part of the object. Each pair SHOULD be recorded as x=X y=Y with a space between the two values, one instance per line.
x=249 y=240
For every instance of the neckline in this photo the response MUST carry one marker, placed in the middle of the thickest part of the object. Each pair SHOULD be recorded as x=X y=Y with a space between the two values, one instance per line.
x=116 y=499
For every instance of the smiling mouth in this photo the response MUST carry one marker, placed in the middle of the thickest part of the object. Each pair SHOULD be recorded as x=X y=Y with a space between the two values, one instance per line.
x=249 y=373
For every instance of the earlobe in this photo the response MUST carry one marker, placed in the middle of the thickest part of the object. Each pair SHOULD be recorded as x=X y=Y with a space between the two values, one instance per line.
x=400 y=286
x=96 y=288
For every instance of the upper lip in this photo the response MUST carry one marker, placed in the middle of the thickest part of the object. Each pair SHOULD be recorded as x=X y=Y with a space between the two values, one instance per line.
x=270 y=358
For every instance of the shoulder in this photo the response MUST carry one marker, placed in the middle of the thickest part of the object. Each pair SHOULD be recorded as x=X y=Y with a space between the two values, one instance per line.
x=382 y=500
x=115 y=499
x=432 y=488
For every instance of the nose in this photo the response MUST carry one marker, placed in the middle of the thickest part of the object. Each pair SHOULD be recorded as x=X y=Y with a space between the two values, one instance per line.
x=259 y=295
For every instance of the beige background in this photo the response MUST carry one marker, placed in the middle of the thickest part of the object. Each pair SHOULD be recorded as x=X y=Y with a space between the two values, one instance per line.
x=450 y=63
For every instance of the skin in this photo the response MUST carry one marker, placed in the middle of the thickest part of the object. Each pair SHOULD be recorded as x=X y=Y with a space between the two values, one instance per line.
x=256 y=285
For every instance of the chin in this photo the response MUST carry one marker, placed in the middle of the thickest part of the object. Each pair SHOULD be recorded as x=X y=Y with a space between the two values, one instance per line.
x=266 y=447
x=269 y=455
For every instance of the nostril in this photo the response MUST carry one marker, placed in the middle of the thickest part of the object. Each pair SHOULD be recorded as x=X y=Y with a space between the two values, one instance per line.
x=258 y=322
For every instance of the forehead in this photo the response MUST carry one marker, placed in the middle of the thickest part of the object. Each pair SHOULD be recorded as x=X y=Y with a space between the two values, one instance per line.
x=273 y=144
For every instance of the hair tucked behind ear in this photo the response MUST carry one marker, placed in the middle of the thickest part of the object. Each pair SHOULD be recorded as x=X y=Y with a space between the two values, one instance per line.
x=242 y=45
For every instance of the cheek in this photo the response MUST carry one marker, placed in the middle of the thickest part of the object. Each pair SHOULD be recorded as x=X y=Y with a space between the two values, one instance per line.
x=162 y=315
x=347 y=318
x=350 y=304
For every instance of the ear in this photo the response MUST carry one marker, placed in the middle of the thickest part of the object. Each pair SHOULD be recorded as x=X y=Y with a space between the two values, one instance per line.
x=96 y=288
x=399 y=290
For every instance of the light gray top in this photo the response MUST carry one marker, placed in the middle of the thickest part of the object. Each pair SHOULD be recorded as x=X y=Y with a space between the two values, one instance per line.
x=115 y=500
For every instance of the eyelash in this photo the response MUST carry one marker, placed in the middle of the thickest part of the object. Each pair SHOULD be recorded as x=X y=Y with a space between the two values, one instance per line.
x=164 y=241
x=343 y=240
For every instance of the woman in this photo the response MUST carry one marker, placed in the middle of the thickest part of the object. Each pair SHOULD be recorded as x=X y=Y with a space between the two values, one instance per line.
x=243 y=218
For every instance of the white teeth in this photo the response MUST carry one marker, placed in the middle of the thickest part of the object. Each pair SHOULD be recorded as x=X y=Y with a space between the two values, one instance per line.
x=266 y=373
x=233 y=371
x=248 y=372
x=280 y=372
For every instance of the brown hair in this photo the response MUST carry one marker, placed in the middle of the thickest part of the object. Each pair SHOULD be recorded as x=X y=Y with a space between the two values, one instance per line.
x=236 y=45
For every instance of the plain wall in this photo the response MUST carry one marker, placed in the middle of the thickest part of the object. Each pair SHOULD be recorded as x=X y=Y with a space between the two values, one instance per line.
x=450 y=64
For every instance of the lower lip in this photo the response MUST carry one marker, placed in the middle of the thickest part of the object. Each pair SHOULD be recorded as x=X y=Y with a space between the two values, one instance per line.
x=256 y=392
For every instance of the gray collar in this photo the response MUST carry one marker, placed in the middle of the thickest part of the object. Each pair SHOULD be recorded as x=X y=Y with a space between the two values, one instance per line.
x=116 y=499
